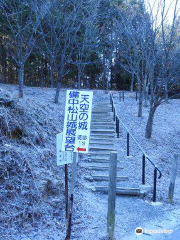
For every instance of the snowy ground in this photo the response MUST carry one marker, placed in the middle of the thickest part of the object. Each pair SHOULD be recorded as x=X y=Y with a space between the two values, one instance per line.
x=163 y=144
x=90 y=209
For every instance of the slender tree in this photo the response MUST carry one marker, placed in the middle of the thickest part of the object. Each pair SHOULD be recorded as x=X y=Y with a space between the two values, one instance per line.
x=86 y=38
x=162 y=60
x=21 y=20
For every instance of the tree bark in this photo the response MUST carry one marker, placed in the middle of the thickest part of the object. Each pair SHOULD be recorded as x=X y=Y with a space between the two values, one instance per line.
x=21 y=79
x=61 y=74
x=3 y=74
x=132 y=83
x=146 y=96
x=42 y=81
x=52 y=78
x=104 y=73
x=140 y=104
x=166 y=92
x=4 y=65
x=145 y=99
x=140 y=91
x=56 y=99
x=150 y=122
x=51 y=73
x=42 y=73
x=79 y=77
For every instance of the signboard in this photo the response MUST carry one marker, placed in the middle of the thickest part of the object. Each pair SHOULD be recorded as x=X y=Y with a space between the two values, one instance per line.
x=62 y=157
x=77 y=121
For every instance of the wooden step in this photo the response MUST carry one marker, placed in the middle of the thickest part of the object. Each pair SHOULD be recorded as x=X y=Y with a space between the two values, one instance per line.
x=101 y=119
x=93 y=127
x=102 y=109
x=103 y=132
x=101 y=149
x=106 y=104
x=104 y=178
x=121 y=191
x=98 y=120
x=104 y=168
x=104 y=123
x=99 y=153
x=102 y=112
x=101 y=135
x=101 y=139
x=101 y=144
x=99 y=160
x=99 y=156
x=101 y=106
x=103 y=160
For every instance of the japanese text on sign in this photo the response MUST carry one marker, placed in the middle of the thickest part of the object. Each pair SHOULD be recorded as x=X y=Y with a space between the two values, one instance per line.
x=62 y=157
x=77 y=121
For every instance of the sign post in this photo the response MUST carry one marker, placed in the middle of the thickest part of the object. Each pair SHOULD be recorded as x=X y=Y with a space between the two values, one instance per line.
x=75 y=138
x=71 y=193
x=63 y=158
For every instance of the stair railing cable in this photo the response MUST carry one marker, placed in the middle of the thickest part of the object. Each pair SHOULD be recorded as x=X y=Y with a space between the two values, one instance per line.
x=144 y=155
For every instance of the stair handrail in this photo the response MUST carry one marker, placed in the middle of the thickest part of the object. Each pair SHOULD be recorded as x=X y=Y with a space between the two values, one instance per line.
x=144 y=157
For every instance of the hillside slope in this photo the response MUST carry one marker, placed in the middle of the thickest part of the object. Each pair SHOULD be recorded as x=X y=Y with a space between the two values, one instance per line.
x=32 y=186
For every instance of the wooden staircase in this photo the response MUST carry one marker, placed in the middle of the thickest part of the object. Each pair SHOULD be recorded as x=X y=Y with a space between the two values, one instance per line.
x=102 y=139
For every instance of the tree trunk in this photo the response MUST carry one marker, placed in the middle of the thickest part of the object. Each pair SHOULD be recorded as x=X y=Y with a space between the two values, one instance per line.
x=21 y=79
x=104 y=73
x=140 y=104
x=51 y=72
x=42 y=73
x=42 y=81
x=140 y=91
x=57 y=90
x=166 y=92
x=146 y=98
x=45 y=69
x=52 y=77
x=150 y=122
x=111 y=68
x=145 y=90
x=61 y=75
x=3 y=74
x=79 y=77
x=4 y=65
x=132 y=83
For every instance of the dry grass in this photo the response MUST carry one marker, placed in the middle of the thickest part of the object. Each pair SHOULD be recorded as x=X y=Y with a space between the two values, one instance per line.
x=26 y=180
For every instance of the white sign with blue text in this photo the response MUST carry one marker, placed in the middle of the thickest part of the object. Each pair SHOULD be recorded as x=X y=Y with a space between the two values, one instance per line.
x=77 y=121
x=62 y=157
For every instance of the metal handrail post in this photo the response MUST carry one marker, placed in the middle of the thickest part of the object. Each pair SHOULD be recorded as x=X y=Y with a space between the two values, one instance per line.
x=127 y=144
x=118 y=128
x=155 y=184
x=116 y=124
x=143 y=168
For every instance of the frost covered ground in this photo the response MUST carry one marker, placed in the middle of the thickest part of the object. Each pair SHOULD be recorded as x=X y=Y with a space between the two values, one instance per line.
x=90 y=209
x=164 y=142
